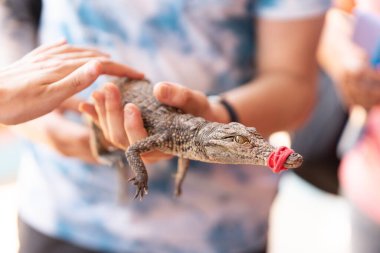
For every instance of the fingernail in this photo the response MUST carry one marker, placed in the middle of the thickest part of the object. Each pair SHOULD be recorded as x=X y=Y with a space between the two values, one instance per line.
x=108 y=91
x=94 y=95
x=165 y=90
x=98 y=97
x=81 y=106
x=128 y=110
x=93 y=68
x=140 y=73
x=61 y=40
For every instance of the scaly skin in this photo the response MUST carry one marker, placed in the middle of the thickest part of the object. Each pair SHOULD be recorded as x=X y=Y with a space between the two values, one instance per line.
x=187 y=137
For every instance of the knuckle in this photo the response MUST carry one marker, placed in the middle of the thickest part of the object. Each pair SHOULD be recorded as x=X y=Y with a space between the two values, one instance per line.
x=117 y=140
x=76 y=82
x=106 y=136
x=42 y=58
x=57 y=63
x=113 y=106
x=48 y=63
x=101 y=60
x=186 y=95
x=66 y=47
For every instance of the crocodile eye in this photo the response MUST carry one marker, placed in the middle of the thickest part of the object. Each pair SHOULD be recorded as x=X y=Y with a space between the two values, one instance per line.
x=241 y=139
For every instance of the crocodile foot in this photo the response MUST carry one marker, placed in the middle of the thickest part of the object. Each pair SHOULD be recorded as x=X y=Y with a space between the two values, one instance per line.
x=141 y=184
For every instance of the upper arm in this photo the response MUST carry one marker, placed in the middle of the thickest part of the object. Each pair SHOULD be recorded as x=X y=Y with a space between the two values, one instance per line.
x=288 y=45
x=288 y=34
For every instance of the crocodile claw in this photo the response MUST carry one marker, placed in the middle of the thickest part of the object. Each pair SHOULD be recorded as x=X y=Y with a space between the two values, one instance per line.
x=141 y=186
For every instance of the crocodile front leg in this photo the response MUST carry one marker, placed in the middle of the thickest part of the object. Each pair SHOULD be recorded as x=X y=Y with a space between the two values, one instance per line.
x=133 y=155
x=183 y=165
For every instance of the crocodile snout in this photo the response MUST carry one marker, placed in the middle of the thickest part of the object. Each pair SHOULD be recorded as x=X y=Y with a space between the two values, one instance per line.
x=293 y=161
x=284 y=158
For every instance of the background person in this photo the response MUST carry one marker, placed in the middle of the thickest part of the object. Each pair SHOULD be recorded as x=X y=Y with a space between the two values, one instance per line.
x=358 y=80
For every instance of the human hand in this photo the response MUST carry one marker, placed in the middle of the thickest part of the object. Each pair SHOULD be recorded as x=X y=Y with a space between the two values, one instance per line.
x=360 y=82
x=40 y=81
x=64 y=136
x=124 y=126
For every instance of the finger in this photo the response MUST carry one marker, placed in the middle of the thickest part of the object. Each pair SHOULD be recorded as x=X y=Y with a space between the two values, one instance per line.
x=54 y=70
x=71 y=104
x=190 y=101
x=78 y=80
x=115 y=116
x=117 y=69
x=133 y=123
x=82 y=54
x=134 y=127
x=99 y=98
x=46 y=47
x=89 y=109
x=67 y=48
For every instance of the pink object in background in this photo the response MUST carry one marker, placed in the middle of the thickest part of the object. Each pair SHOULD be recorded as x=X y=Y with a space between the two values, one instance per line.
x=360 y=169
x=369 y=5
x=367 y=33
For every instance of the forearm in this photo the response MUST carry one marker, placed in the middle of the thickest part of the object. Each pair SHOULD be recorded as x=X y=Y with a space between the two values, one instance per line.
x=35 y=130
x=283 y=93
x=274 y=101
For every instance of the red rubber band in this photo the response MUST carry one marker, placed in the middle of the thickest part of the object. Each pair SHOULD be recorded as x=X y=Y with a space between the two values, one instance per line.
x=278 y=157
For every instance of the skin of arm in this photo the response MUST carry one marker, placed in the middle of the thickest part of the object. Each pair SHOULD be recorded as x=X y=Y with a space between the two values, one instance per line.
x=280 y=98
x=59 y=134
x=283 y=94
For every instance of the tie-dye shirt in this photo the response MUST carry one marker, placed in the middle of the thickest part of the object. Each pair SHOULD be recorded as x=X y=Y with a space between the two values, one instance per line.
x=207 y=45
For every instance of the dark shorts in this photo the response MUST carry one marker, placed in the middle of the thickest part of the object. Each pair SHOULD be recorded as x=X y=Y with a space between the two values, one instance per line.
x=33 y=241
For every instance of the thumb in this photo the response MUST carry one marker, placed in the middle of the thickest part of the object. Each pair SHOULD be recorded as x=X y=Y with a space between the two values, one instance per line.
x=188 y=100
x=76 y=81
x=71 y=104
x=133 y=123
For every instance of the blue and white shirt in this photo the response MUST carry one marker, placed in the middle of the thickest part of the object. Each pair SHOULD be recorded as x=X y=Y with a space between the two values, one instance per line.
x=208 y=45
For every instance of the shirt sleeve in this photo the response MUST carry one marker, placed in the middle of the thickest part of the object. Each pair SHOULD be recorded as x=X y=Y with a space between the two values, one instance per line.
x=291 y=9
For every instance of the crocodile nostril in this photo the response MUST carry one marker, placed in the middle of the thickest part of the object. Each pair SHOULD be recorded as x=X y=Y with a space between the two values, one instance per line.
x=293 y=161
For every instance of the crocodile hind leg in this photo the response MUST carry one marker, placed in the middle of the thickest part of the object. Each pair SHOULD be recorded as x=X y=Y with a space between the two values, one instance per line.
x=100 y=148
x=133 y=154
x=121 y=165
x=183 y=165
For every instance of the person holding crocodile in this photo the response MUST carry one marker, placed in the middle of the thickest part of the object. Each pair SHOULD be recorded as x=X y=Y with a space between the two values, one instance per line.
x=211 y=47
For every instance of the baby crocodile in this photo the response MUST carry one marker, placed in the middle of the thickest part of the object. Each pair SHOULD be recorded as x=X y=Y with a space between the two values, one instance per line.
x=188 y=137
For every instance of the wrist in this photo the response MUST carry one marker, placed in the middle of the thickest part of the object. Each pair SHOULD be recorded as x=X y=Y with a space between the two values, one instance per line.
x=222 y=109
